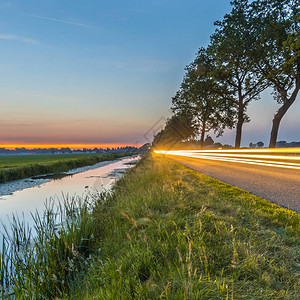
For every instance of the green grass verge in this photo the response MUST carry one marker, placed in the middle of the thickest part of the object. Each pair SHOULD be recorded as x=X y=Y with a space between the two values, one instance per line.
x=170 y=232
x=23 y=166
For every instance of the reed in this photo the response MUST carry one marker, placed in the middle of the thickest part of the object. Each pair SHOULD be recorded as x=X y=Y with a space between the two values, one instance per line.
x=41 y=262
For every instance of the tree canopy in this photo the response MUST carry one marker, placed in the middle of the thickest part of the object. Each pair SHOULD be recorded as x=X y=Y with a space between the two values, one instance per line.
x=229 y=47
x=179 y=127
x=255 y=46
x=275 y=51
x=207 y=100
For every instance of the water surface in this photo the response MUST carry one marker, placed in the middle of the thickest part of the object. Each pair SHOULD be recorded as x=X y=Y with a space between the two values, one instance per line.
x=86 y=183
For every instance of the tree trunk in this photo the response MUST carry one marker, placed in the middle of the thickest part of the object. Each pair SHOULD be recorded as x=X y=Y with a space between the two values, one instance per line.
x=279 y=115
x=274 y=131
x=238 y=136
x=202 y=137
x=239 y=125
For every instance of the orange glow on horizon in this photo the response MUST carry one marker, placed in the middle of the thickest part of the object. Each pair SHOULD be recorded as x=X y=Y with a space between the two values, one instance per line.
x=71 y=146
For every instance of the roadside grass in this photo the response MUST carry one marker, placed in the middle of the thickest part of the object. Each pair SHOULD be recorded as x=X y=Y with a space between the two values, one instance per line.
x=16 y=167
x=173 y=233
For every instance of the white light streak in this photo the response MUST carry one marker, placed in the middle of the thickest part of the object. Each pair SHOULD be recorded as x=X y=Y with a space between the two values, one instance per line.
x=280 y=158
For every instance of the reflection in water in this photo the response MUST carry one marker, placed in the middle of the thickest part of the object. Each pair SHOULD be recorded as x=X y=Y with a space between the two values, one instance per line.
x=87 y=183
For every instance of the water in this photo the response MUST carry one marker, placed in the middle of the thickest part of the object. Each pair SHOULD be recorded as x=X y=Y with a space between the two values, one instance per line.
x=86 y=183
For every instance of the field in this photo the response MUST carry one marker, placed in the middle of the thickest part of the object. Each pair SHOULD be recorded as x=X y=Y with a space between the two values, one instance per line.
x=13 y=167
x=10 y=161
x=166 y=232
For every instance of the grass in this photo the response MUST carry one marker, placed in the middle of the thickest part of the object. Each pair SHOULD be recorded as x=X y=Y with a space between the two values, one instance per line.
x=9 y=161
x=13 y=167
x=164 y=232
x=170 y=232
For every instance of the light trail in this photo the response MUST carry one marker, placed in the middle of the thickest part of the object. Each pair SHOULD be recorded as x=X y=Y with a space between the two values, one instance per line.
x=268 y=150
x=289 y=158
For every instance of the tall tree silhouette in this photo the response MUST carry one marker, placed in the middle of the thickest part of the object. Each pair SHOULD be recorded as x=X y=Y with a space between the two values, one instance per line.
x=229 y=46
x=275 y=51
x=207 y=100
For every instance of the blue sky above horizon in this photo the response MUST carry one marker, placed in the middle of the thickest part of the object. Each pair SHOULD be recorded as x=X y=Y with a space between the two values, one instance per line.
x=97 y=72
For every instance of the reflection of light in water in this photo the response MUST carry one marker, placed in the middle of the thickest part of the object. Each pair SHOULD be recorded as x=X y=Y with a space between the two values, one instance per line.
x=29 y=200
x=289 y=158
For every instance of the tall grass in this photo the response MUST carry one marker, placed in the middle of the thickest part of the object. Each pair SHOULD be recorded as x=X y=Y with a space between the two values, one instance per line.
x=23 y=169
x=41 y=263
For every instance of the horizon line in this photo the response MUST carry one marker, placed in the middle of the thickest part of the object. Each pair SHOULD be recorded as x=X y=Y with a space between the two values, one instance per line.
x=71 y=146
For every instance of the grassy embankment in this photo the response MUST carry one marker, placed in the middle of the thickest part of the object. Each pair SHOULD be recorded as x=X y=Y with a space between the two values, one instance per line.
x=13 y=167
x=171 y=232
x=168 y=232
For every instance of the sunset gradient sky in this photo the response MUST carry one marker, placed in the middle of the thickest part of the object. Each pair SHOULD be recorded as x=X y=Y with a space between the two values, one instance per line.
x=104 y=72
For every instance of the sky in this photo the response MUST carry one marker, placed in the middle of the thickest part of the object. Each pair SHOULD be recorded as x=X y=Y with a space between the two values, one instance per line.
x=104 y=72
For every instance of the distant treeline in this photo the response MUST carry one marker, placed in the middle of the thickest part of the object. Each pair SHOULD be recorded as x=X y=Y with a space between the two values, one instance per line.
x=126 y=149
x=209 y=143
x=284 y=144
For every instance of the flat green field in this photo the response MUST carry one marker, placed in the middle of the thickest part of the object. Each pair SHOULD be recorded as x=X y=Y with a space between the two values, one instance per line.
x=23 y=166
x=10 y=161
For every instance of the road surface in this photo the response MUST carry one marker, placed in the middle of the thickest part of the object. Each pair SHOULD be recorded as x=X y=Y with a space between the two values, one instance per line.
x=279 y=185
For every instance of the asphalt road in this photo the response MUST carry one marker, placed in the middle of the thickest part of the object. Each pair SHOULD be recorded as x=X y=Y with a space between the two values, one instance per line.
x=278 y=185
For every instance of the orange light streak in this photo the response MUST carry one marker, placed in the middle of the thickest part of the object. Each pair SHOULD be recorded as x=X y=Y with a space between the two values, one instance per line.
x=264 y=159
x=268 y=150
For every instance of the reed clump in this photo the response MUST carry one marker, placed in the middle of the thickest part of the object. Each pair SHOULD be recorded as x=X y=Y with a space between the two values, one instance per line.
x=41 y=262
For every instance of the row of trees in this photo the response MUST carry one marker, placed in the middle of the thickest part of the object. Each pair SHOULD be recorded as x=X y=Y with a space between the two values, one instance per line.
x=254 y=47
x=126 y=149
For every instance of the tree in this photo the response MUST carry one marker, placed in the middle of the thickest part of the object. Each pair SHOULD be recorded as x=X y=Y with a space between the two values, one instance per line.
x=217 y=145
x=207 y=100
x=281 y=144
x=208 y=141
x=260 y=144
x=229 y=46
x=179 y=127
x=275 y=51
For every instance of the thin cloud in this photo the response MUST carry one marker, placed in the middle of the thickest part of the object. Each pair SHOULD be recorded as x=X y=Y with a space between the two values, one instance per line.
x=54 y=97
x=62 y=21
x=48 y=96
x=18 y=38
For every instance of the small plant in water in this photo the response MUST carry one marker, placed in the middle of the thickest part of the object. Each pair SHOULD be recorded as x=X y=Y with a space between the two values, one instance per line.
x=41 y=262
